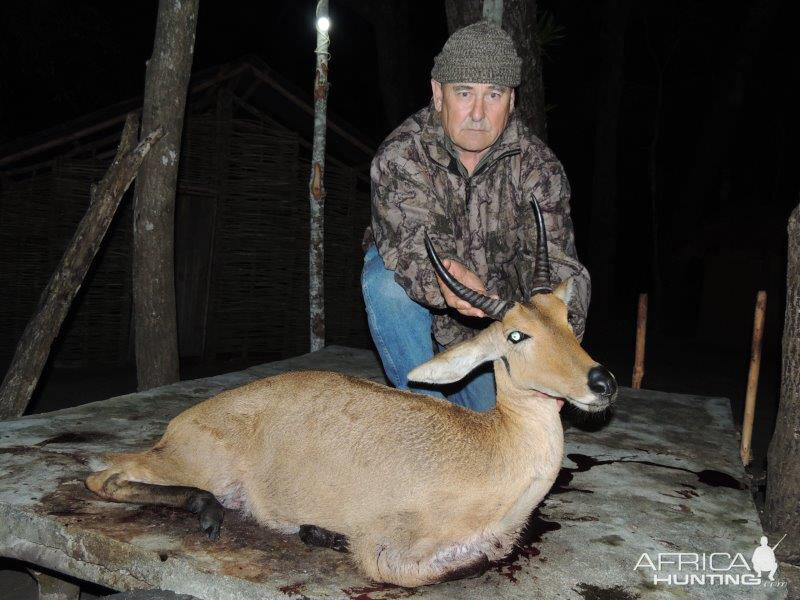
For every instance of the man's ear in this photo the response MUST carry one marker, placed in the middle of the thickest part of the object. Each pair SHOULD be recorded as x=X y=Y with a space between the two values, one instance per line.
x=457 y=362
x=511 y=110
x=566 y=290
x=438 y=91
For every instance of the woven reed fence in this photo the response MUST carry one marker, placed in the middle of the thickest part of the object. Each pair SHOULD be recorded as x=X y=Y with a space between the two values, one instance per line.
x=241 y=247
x=38 y=216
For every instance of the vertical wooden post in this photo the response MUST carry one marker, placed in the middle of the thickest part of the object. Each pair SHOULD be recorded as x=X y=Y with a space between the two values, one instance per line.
x=316 y=255
x=165 y=89
x=641 y=335
x=752 y=378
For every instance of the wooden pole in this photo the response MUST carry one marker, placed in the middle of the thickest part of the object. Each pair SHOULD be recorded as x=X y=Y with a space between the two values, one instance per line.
x=752 y=378
x=641 y=335
x=153 y=265
x=34 y=346
x=316 y=186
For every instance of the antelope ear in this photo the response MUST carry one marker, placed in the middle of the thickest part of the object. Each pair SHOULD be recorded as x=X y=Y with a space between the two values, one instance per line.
x=457 y=362
x=566 y=290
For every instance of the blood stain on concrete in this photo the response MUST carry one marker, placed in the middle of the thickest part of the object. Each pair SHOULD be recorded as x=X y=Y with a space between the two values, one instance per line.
x=524 y=548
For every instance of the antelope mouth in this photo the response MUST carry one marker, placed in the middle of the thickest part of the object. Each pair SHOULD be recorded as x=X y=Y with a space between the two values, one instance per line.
x=546 y=395
x=597 y=405
x=560 y=400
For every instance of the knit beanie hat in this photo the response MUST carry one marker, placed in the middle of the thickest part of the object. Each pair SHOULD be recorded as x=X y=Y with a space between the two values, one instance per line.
x=478 y=53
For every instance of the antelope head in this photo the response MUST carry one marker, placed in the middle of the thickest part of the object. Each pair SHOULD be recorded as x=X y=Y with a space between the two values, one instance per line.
x=533 y=339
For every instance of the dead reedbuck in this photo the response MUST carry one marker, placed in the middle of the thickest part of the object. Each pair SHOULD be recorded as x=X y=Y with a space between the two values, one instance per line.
x=417 y=489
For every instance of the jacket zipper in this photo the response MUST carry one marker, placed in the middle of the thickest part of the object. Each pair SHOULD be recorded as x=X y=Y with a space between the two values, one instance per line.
x=497 y=158
x=468 y=180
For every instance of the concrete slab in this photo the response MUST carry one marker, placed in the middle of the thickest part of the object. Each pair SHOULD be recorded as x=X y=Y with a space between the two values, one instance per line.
x=662 y=477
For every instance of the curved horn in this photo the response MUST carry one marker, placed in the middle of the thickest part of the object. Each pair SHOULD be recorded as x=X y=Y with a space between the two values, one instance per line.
x=495 y=309
x=541 y=268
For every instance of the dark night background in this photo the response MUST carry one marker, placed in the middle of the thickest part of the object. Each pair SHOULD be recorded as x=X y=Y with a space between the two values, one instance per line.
x=61 y=60
x=705 y=155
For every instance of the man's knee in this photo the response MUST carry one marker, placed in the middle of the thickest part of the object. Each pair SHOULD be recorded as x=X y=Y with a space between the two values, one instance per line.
x=378 y=283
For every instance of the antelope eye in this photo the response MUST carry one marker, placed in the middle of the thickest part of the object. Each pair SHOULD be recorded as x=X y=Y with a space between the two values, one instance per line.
x=515 y=337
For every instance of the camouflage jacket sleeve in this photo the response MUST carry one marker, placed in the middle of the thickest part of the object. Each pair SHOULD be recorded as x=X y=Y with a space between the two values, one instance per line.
x=404 y=206
x=547 y=182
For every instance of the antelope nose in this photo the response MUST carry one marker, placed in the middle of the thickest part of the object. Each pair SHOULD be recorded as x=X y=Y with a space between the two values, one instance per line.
x=601 y=381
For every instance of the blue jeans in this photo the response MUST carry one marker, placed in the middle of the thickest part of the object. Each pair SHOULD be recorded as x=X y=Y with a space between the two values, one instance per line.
x=401 y=330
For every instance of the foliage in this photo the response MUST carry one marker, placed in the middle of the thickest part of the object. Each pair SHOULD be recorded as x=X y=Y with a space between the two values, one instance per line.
x=548 y=32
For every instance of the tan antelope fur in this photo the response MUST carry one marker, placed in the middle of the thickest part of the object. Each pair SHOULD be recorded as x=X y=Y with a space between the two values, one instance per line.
x=419 y=490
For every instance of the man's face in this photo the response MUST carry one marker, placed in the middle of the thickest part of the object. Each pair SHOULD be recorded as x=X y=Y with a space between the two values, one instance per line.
x=473 y=114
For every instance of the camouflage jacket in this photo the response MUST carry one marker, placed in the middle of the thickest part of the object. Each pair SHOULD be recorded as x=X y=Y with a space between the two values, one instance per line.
x=483 y=221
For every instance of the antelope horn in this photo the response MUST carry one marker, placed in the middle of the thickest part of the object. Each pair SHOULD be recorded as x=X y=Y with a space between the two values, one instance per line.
x=541 y=267
x=495 y=309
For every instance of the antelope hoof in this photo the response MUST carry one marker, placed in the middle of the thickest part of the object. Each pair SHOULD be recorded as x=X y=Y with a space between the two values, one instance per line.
x=340 y=543
x=211 y=521
x=317 y=536
x=210 y=513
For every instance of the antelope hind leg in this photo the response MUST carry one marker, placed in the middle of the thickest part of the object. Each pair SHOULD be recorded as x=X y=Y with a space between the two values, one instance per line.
x=198 y=502
x=317 y=536
x=476 y=568
x=396 y=563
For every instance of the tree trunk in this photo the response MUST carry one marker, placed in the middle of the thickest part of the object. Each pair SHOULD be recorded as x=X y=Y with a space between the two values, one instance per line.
x=391 y=20
x=462 y=12
x=34 y=347
x=519 y=20
x=493 y=11
x=603 y=241
x=783 y=473
x=316 y=192
x=154 y=204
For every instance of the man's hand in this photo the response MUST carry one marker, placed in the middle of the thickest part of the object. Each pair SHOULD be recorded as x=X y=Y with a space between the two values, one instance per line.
x=469 y=279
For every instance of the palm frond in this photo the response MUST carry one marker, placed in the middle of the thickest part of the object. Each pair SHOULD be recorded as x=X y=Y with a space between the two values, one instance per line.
x=548 y=32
